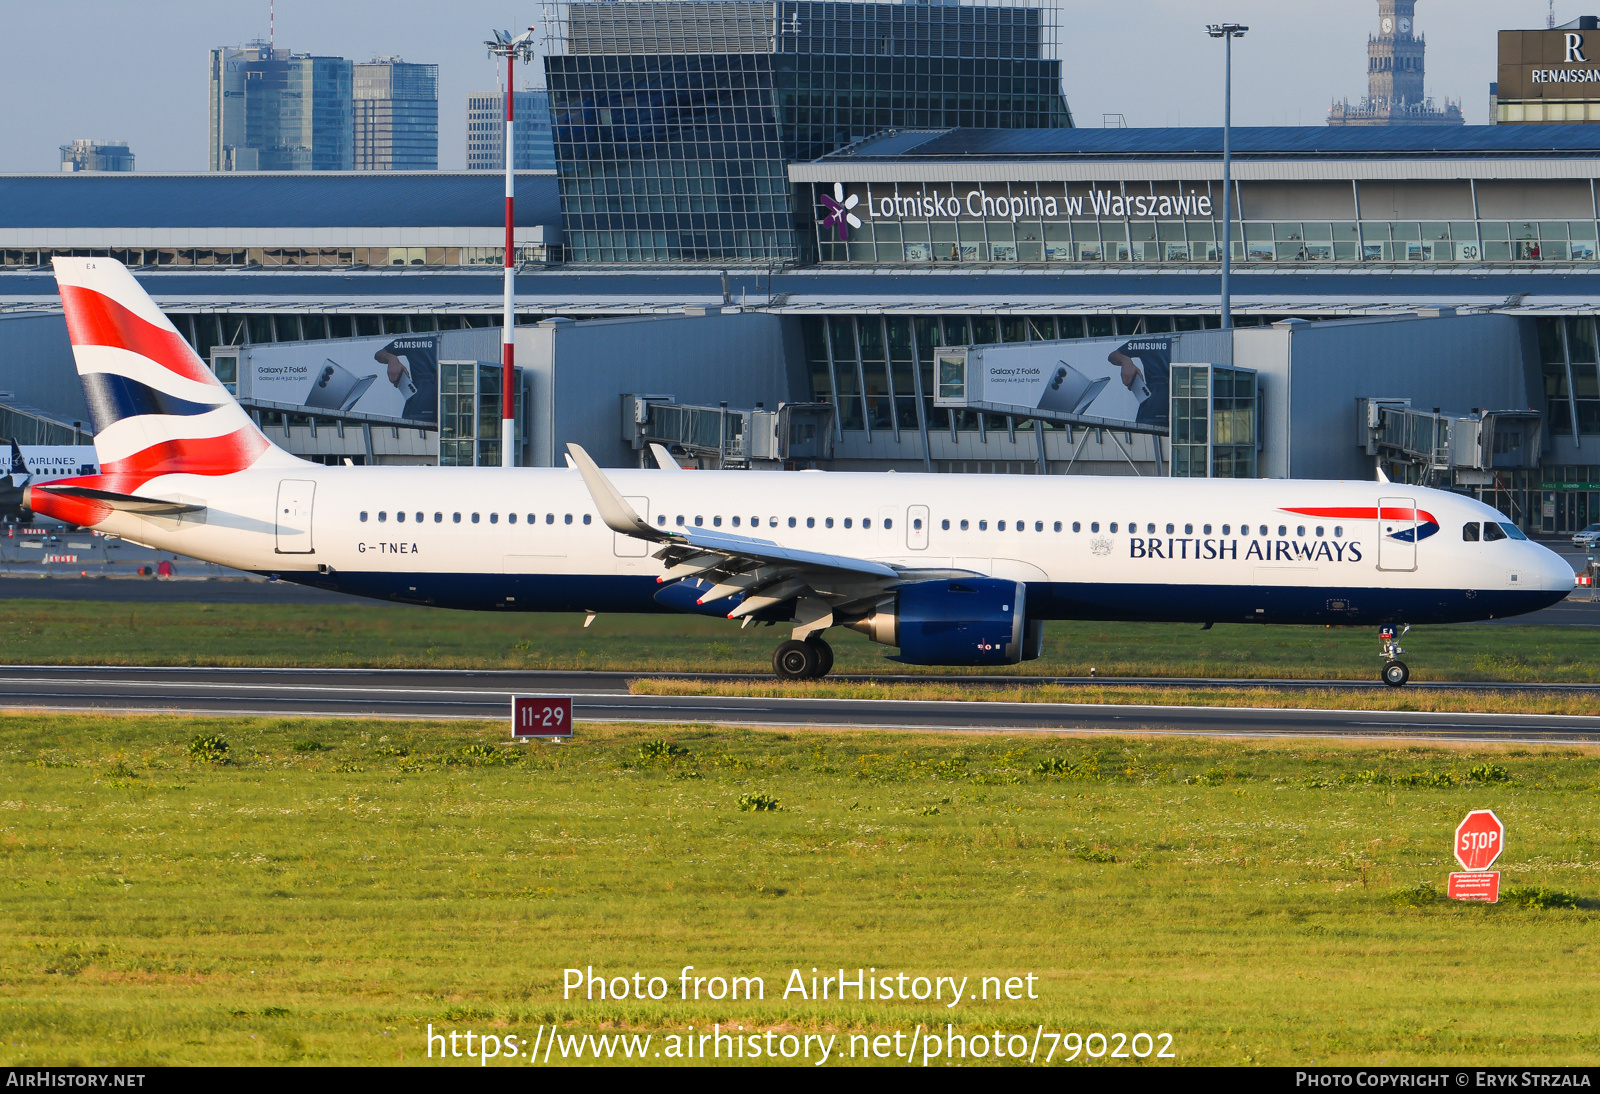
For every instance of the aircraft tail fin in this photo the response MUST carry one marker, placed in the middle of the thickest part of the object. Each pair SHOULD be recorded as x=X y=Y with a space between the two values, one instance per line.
x=156 y=407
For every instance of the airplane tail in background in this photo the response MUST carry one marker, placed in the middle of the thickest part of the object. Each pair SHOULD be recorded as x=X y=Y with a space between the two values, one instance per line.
x=157 y=408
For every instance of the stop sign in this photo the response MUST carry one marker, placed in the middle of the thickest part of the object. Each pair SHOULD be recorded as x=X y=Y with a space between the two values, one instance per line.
x=1479 y=840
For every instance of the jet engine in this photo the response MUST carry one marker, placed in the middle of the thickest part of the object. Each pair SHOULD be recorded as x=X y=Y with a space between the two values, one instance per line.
x=966 y=621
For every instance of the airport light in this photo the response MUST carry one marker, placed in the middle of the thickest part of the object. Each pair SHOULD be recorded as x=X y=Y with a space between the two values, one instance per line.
x=1227 y=32
x=504 y=44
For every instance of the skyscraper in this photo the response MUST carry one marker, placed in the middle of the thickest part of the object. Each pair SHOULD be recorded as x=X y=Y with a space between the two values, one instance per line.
x=396 y=116
x=1395 y=92
x=675 y=120
x=486 y=132
x=272 y=110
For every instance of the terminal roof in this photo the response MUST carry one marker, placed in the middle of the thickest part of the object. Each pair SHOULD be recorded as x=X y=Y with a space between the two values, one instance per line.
x=1249 y=143
x=276 y=199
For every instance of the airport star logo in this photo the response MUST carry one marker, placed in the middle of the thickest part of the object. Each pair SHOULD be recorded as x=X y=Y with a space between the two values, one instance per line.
x=839 y=216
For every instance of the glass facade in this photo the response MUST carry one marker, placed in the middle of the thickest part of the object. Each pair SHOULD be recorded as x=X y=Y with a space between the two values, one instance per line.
x=469 y=414
x=881 y=370
x=1571 y=387
x=486 y=125
x=276 y=111
x=396 y=116
x=1146 y=223
x=1213 y=422
x=674 y=122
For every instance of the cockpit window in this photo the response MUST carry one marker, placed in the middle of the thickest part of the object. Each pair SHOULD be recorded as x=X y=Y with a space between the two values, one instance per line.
x=1469 y=531
x=1512 y=530
x=1492 y=531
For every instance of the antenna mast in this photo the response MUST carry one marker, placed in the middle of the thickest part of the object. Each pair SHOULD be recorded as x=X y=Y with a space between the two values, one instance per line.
x=1550 y=16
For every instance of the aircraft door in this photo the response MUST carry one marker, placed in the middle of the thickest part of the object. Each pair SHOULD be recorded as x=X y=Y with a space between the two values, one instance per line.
x=626 y=546
x=294 y=516
x=1397 y=534
x=917 y=527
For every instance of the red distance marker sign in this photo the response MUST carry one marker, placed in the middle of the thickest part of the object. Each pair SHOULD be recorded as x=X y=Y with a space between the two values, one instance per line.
x=1479 y=840
x=541 y=716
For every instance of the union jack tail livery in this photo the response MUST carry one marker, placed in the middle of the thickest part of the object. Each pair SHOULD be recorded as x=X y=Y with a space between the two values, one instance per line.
x=157 y=408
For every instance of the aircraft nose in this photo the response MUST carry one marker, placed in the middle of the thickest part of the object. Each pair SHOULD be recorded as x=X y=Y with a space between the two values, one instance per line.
x=1554 y=572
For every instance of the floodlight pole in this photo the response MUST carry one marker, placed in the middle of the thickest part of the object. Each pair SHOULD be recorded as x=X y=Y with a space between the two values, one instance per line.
x=1227 y=32
x=511 y=48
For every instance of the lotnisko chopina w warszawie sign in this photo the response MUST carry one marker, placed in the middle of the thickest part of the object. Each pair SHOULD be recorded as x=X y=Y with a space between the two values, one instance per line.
x=1031 y=201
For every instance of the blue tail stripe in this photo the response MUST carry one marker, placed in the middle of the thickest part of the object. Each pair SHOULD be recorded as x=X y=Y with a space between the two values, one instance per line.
x=113 y=397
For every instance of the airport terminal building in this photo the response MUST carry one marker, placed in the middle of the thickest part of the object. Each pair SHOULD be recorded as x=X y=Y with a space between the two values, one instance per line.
x=1455 y=267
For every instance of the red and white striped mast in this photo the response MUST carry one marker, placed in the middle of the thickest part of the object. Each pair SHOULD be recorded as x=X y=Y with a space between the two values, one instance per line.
x=511 y=48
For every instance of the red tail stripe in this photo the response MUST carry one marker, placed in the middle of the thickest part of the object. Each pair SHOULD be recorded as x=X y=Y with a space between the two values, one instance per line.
x=94 y=319
x=1373 y=513
x=190 y=456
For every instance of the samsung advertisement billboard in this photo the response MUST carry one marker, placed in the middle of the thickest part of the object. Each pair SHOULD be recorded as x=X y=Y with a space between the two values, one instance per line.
x=393 y=377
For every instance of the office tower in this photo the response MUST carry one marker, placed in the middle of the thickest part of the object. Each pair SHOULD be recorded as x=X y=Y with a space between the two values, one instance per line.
x=272 y=110
x=87 y=155
x=675 y=120
x=396 y=108
x=486 y=131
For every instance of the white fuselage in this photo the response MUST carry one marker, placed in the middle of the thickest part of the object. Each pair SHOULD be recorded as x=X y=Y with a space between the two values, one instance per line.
x=1178 y=549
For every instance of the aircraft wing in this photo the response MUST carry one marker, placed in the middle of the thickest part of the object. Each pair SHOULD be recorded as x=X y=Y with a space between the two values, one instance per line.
x=759 y=571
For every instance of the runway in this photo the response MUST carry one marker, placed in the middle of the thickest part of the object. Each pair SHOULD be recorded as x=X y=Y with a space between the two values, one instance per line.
x=603 y=698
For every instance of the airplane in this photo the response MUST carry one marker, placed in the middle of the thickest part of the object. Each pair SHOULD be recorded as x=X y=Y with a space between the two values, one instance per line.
x=950 y=570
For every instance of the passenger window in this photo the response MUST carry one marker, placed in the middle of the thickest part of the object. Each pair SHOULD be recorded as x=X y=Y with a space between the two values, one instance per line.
x=983 y=526
x=1283 y=530
x=791 y=522
x=586 y=518
x=1492 y=531
x=847 y=522
x=419 y=518
x=661 y=520
x=1338 y=531
x=1264 y=530
x=455 y=518
x=1224 y=530
x=963 y=526
x=1300 y=530
x=1000 y=525
x=550 y=518
x=1169 y=529
x=755 y=522
x=944 y=525
x=888 y=522
x=382 y=516
x=400 y=518
x=1113 y=527
x=1319 y=531
x=1038 y=526
x=916 y=524
x=494 y=518
x=568 y=519
x=1188 y=529
x=772 y=522
x=1205 y=530
x=827 y=522
x=1150 y=529
x=474 y=518
x=716 y=522
x=363 y=517
x=866 y=522
x=811 y=522
x=680 y=520
x=736 y=522
x=699 y=522
x=1469 y=530
x=1095 y=527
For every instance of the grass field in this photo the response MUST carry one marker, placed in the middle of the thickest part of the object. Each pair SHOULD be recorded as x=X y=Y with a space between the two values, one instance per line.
x=359 y=633
x=1330 y=698
x=323 y=891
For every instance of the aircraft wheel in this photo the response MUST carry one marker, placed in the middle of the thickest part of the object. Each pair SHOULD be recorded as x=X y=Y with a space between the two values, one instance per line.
x=1395 y=674
x=795 y=661
x=824 y=656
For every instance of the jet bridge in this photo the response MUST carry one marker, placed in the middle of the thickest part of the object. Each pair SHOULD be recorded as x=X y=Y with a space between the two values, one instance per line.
x=795 y=435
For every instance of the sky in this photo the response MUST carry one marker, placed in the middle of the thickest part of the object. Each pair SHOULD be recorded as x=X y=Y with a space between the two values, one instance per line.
x=1148 y=60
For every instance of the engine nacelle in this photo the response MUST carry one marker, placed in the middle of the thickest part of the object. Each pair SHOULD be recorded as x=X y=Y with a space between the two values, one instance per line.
x=965 y=621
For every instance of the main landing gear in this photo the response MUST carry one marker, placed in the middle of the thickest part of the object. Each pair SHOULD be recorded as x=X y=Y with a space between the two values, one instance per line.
x=1395 y=672
x=811 y=659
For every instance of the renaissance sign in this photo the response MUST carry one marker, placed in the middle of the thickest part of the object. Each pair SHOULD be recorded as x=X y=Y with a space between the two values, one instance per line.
x=1546 y=64
x=1018 y=201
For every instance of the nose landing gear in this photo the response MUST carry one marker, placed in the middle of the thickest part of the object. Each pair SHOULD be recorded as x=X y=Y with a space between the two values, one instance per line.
x=811 y=659
x=1395 y=673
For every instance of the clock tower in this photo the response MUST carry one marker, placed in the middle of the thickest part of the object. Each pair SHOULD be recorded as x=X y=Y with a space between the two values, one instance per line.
x=1395 y=94
x=1394 y=56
